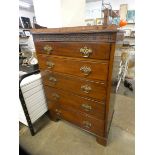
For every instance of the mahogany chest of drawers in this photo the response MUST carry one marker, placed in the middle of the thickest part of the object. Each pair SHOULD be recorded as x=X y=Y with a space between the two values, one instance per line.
x=76 y=66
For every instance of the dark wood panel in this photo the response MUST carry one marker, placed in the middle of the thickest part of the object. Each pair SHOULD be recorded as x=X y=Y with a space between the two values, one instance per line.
x=78 y=29
x=80 y=86
x=86 y=122
x=84 y=68
x=68 y=100
x=93 y=50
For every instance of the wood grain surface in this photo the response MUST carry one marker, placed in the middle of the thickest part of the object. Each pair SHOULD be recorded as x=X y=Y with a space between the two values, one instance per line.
x=86 y=122
x=72 y=49
x=74 y=84
x=99 y=69
x=79 y=103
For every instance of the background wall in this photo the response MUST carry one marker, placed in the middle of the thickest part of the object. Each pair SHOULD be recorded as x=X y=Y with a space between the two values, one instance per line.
x=62 y=13
x=93 y=7
x=116 y=3
x=48 y=13
x=73 y=12
x=59 y=13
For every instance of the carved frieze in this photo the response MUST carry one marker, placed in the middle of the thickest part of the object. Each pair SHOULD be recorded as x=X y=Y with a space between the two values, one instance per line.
x=106 y=37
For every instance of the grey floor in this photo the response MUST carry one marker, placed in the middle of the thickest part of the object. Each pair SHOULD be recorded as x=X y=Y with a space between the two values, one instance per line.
x=63 y=138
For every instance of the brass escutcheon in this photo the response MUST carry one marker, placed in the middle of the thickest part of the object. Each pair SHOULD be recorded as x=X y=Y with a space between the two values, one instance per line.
x=86 y=88
x=55 y=96
x=86 y=107
x=50 y=64
x=58 y=113
x=85 y=51
x=86 y=70
x=86 y=124
x=52 y=79
x=48 y=49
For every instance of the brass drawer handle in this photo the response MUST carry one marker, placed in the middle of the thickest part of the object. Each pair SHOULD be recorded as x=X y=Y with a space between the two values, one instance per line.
x=48 y=49
x=86 y=88
x=86 y=70
x=85 y=51
x=87 y=124
x=86 y=107
x=50 y=64
x=55 y=96
x=58 y=113
x=52 y=79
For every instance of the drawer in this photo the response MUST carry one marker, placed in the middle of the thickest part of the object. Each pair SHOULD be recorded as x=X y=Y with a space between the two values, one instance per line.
x=83 y=68
x=86 y=122
x=80 y=86
x=68 y=100
x=94 y=50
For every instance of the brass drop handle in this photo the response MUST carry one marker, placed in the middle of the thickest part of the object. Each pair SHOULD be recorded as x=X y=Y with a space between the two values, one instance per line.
x=86 y=107
x=58 y=112
x=48 y=49
x=86 y=70
x=50 y=64
x=55 y=96
x=86 y=88
x=52 y=79
x=85 y=51
x=87 y=124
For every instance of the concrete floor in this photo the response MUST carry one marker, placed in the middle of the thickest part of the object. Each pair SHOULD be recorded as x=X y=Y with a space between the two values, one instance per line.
x=63 y=138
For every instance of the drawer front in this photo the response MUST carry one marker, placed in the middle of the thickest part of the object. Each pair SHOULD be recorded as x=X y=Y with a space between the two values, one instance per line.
x=89 y=69
x=86 y=122
x=72 y=101
x=74 y=84
x=92 y=50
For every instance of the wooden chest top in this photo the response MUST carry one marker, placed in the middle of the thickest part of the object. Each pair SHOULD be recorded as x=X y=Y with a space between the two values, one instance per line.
x=81 y=33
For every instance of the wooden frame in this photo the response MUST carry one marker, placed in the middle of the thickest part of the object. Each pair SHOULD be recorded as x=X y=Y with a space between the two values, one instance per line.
x=90 y=22
x=99 y=21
